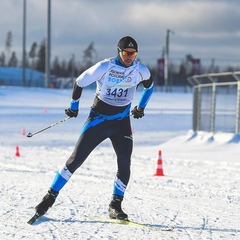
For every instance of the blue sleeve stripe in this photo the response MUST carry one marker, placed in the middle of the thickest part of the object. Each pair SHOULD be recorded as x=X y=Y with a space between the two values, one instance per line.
x=146 y=94
x=74 y=105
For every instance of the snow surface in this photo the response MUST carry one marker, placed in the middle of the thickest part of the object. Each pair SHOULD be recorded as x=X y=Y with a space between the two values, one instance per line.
x=198 y=196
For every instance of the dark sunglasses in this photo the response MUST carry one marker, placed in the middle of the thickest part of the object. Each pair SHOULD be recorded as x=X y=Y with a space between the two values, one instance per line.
x=126 y=53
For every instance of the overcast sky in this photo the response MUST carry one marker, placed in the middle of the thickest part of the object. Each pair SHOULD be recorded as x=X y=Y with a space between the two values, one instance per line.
x=205 y=29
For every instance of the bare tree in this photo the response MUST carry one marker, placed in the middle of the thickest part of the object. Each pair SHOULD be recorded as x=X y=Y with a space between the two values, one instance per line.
x=40 y=66
x=88 y=56
x=2 y=59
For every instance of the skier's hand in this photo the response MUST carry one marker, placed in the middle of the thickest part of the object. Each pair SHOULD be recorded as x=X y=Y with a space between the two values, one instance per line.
x=137 y=112
x=71 y=113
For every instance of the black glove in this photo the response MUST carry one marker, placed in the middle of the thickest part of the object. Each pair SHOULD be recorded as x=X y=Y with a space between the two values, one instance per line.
x=137 y=112
x=71 y=113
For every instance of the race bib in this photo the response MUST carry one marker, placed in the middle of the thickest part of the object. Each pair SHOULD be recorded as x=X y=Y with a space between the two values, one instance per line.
x=118 y=85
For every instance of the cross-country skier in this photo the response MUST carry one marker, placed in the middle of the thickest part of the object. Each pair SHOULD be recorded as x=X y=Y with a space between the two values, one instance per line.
x=116 y=82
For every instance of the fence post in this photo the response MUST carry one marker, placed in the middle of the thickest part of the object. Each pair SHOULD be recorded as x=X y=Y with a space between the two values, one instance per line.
x=196 y=107
x=237 y=123
x=213 y=108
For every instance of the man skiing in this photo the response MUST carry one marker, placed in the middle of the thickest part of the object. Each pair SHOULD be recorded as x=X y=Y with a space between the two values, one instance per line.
x=116 y=82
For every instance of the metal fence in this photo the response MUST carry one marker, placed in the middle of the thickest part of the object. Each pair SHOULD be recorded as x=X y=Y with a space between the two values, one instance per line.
x=216 y=102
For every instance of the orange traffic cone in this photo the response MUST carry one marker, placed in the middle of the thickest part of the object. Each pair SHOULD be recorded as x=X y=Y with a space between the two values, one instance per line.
x=159 y=171
x=17 y=154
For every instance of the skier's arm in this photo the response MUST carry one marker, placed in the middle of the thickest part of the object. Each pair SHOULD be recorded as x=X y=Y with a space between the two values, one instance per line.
x=138 y=111
x=76 y=94
x=89 y=76
x=72 y=111
x=86 y=78
x=146 y=93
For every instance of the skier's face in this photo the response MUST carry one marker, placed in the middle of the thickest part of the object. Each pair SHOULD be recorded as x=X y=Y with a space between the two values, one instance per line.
x=127 y=56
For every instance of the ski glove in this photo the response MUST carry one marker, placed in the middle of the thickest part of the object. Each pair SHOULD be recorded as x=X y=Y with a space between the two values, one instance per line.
x=71 y=113
x=137 y=112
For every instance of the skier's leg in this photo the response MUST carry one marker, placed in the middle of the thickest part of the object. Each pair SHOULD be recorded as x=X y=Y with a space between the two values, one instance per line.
x=123 y=145
x=88 y=140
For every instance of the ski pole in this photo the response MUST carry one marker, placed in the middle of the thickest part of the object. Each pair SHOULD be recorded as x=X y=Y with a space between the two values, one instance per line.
x=52 y=125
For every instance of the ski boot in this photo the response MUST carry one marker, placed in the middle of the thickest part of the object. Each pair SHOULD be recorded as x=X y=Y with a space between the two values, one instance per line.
x=115 y=209
x=47 y=202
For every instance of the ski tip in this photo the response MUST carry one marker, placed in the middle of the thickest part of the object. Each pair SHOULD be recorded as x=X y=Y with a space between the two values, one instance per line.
x=30 y=222
x=33 y=219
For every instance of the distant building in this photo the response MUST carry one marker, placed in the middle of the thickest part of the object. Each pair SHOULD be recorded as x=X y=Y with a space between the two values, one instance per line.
x=12 y=76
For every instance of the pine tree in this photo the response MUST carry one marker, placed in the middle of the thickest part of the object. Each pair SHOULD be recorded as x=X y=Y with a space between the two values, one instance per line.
x=32 y=54
x=13 y=61
x=8 y=44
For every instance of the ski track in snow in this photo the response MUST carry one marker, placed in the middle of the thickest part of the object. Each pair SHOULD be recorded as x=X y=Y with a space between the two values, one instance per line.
x=198 y=196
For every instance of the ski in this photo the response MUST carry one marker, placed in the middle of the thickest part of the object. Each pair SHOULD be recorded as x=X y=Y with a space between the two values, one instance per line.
x=33 y=219
x=130 y=223
x=117 y=221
